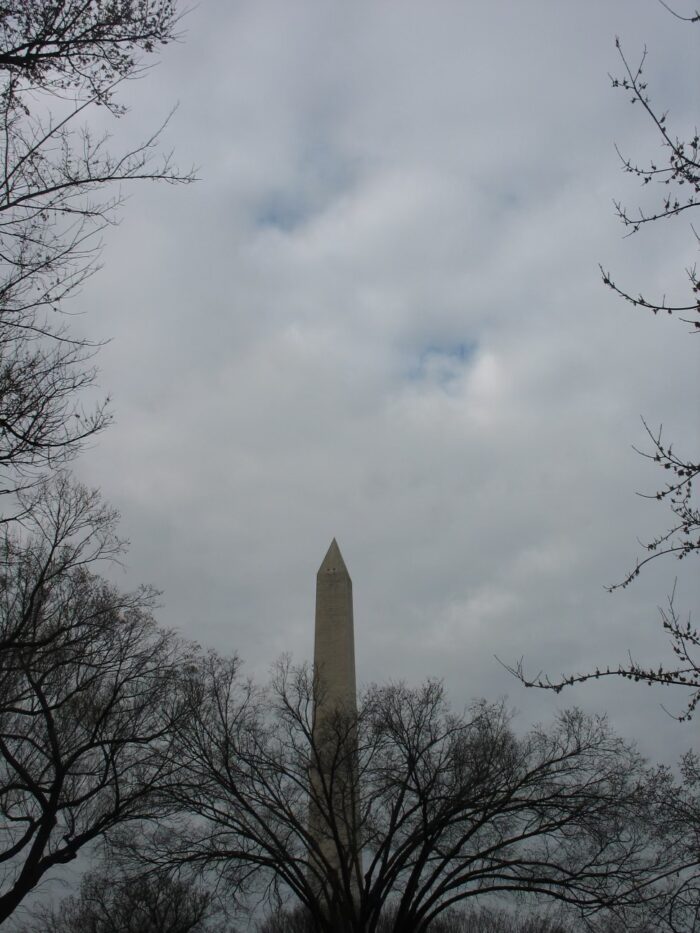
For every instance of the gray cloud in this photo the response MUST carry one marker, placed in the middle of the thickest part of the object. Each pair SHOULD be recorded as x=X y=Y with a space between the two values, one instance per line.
x=379 y=316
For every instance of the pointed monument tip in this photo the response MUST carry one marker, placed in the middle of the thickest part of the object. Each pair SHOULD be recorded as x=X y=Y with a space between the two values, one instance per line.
x=333 y=561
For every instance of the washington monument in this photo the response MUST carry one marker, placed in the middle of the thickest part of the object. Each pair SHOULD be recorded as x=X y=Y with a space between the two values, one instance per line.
x=334 y=641
x=333 y=778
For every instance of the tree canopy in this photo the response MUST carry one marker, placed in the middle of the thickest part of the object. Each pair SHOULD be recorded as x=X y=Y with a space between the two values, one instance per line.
x=438 y=807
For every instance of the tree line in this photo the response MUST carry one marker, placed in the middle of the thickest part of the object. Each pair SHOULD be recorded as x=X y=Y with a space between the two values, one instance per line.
x=115 y=731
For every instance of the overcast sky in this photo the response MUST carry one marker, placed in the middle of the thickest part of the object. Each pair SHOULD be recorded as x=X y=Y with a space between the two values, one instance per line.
x=378 y=316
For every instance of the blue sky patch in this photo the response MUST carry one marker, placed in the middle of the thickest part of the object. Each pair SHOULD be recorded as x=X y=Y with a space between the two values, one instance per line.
x=442 y=363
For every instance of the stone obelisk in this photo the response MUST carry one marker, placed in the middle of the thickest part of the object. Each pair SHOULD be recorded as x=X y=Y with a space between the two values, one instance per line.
x=334 y=642
x=333 y=777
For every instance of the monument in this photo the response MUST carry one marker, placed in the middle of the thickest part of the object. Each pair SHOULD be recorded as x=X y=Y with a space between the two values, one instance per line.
x=333 y=820
x=334 y=639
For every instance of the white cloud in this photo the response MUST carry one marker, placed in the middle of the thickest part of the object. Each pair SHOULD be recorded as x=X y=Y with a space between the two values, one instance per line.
x=379 y=316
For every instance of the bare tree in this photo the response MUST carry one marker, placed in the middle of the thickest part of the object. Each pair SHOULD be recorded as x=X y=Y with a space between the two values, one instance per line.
x=449 y=806
x=678 y=172
x=681 y=813
x=89 y=692
x=112 y=900
x=58 y=191
x=475 y=920
x=88 y=683
x=683 y=671
x=71 y=44
x=485 y=919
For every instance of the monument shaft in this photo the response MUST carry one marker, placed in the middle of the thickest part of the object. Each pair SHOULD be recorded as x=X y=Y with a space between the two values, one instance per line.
x=333 y=786
x=334 y=643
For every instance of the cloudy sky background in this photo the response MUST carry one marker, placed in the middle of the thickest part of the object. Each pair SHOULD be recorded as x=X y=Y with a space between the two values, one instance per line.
x=378 y=316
